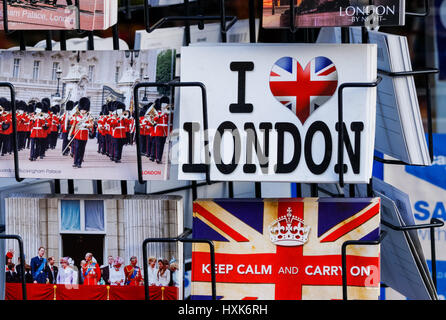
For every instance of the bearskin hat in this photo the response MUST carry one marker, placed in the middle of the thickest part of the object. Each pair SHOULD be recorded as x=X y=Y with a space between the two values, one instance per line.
x=84 y=104
x=38 y=107
x=3 y=101
x=45 y=108
x=31 y=107
x=69 y=105
x=119 y=105
x=55 y=109
x=111 y=106
x=47 y=102
x=164 y=99
x=157 y=104
x=7 y=105
x=21 y=105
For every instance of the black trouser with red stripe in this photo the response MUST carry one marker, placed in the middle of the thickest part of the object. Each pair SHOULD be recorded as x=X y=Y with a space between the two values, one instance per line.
x=118 y=144
x=158 y=148
x=65 y=142
x=79 y=151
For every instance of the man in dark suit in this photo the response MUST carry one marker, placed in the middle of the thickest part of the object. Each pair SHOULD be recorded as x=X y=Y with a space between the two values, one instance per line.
x=51 y=271
x=38 y=264
x=11 y=275
x=105 y=270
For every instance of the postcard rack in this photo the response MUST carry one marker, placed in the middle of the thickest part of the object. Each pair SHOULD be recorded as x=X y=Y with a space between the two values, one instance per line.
x=63 y=33
x=426 y=73
x=187 y=18
x=344 y=258
x=314 y=188
x=434 y=223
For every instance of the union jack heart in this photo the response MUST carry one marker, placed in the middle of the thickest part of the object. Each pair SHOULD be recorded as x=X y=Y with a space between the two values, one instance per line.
x=301 y=90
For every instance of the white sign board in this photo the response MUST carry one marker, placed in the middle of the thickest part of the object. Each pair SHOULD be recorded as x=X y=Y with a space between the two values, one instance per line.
x=281 y=101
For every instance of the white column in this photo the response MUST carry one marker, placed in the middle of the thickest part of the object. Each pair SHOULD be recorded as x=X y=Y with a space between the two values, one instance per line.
x=22 y=218
x=146 y=219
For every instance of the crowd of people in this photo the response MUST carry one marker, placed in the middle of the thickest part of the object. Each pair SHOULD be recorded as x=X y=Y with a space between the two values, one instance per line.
x=40 y=124
x=161 y=272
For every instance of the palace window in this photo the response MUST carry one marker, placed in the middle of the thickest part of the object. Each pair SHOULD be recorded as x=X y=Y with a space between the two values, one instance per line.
x=16 y=68
x=36 y=70
x=54 y=71
x=117 y=74
x=91 y=73
x=141 y=74
x=85 y=216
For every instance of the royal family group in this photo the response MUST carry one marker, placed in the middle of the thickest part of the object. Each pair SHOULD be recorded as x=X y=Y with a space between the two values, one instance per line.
x=161 y=272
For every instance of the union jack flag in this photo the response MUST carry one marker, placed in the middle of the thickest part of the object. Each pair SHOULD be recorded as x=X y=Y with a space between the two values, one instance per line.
x=303 y=91
x=251 y=265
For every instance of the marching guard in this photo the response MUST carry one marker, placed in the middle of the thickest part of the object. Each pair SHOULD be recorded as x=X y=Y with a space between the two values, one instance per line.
x=81 y=124
x=66 y=126
x=101 y=129
x=161 y=131
x=39 y=127
x=6 y=128
x=22 y=124
x=54 y=127
x=119 y=126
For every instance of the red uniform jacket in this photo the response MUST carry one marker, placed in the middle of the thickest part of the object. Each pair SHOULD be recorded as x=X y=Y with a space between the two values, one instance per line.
x=65 y=123
x=108 y=129
x=131 y=125
x=101 y=125
x=119 y=126
x=132 y=275
x=55 y=123
x=7 y=119
x=22 y=122
x=146 y=127
x=91 y=273
x=37 y=128
x=81 y=132
x=162 y=125
x=49 y=118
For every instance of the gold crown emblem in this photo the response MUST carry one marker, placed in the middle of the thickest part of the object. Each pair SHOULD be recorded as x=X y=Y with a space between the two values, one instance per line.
x=289 y=230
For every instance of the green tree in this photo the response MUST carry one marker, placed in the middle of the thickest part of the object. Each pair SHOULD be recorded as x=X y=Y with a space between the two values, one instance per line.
x=165 y=69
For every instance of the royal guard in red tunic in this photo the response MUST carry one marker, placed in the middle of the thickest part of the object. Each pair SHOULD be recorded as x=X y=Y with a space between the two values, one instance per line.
x=29 y=112
x=54 y=127
x=39 y=125
x=145 y=129
x=130 y=129
x=65 y=124
x=102 y=129
x=81 y=126
x=22 y=124
x=48 y=116
x=161 y=132
x=6 y=121
x=3 y=103
x=132 y=273
x=108 y=129
x=91 y=271
x=119 y=132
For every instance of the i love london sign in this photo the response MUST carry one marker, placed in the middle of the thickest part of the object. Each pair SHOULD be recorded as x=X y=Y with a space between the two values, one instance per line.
x=273 y=112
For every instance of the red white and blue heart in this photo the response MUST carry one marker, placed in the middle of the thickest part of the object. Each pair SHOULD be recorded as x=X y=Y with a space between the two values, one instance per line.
x=303 y=90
